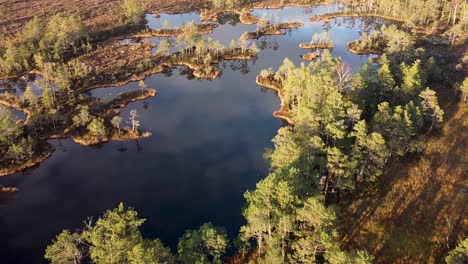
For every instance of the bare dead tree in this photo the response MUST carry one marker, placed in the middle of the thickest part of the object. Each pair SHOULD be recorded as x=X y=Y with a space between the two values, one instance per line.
x=448 y=232
x=455 y=9
x=344 y=73
x=88 y=223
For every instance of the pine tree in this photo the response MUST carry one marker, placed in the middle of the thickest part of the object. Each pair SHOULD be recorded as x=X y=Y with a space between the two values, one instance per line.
x=9 y=129
x=430 y=109
x=202 y=245
x=114 y=236
x=65 y=248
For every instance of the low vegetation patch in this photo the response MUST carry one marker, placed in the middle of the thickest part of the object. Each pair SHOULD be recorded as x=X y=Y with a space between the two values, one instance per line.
x=318 y=41
x=202 y=29
x=311 y=55
x=248 y=18
x=388 y=39
x=274 y=29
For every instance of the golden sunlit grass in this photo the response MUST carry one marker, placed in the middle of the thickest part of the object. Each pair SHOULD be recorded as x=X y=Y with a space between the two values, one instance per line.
x=422 y=200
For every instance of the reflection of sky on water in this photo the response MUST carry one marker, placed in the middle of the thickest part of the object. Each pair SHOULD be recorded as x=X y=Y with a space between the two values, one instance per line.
x=175 y=20
x=292 y=14
x=18 y=86
x=205 y=151
x=18 y=114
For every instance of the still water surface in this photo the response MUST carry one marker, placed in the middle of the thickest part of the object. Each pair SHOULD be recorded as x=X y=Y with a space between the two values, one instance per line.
x=205 y=152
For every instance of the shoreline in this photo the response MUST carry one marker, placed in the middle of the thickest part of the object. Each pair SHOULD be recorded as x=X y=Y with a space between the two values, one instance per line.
x=274 y=30
x=316 y=45
x=32 y=162
x=350 y=44
x=282 y=113
x=328 y=16
x=112 y=108
x=200 y=70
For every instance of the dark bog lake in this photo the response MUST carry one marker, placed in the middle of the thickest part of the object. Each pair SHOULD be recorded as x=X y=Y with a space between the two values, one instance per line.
x=206 y=148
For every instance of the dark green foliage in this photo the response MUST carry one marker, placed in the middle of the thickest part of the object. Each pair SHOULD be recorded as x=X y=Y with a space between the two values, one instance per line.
x=368 y=156
x=430 y=109
x=388 y=39
x=20 y=151
x=58 y=38
x=9 y=129
x=332 y=149
x=205 y=245
x=396 y=126
x=151 y=252
x=97 y=128
x=114 y=239
x=114 y=235
x=82 y=118
x=458 y=255
x=17 y=55
x=66 y=248
x=424 y=13
x=63 y=35
x=133 y=11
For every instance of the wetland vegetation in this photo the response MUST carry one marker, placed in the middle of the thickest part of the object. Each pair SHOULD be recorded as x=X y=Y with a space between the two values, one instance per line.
x=371 y=113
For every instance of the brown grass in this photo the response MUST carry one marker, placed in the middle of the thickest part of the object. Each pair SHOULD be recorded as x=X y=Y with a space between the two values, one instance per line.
x=422 y=201
x=248 y=18
x=310 y=56
x=202 y=29
x=128 y=134
x=101 y=14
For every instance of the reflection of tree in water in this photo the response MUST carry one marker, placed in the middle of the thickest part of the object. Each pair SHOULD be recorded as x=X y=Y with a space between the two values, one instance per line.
x=88 y=93
x=228 y=18
x=139 y=147
x=240 y=65
x=268 y=43
x=7 y=87
x=309 y=10
x=98 y=146
x=365 y=24
x=61 y=147
x=187 y=73
x=145 y=104
x=21 y=85
x=17 y=84
x=122 y=148
x=290 y=31
x=167 y=72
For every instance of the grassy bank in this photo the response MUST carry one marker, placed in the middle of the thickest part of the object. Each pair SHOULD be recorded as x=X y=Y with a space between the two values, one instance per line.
x=270 y=83
x=39 y=156
x=274 y=29
x=327 y=45
x=354 y=48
